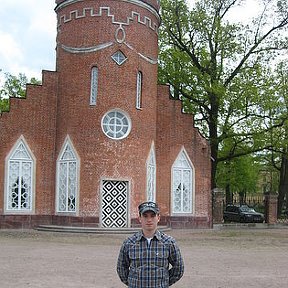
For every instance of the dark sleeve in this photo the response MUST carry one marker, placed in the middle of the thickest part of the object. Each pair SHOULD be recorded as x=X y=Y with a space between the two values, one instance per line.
x=177 y=264
x=123 y=264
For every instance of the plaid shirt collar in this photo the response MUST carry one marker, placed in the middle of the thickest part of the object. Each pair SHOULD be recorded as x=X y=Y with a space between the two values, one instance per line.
x=140 y=235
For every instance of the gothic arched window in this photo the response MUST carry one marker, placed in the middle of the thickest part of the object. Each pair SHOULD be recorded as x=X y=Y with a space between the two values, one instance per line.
x=151 y=176
x=182 y=184
x=94 y=86
x=139 y=90
x=67 y=179
x=20 y=174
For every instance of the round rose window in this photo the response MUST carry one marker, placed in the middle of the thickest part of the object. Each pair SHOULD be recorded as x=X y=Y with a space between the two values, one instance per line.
x=116 y=124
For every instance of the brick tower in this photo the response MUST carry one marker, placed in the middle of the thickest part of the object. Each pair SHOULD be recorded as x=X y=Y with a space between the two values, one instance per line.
x=102 y=61
x=111 y=136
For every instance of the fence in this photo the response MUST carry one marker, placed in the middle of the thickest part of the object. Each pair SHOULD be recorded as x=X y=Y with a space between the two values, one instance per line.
x=258 y=203
x=254 y=201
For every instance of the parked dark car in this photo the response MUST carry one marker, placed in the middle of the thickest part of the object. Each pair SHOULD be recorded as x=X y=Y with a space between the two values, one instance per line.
x=243 y=213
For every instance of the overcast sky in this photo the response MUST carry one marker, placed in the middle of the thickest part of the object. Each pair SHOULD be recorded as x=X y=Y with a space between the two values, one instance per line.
x=28 y=36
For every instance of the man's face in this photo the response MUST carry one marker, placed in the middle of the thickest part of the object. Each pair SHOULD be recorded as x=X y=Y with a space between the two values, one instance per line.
x=149 y=221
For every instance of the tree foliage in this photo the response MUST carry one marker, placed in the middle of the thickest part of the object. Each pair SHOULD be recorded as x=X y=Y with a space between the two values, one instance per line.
x=238 y=175
x=14 y=86
x=277 y=158
x=222 y=70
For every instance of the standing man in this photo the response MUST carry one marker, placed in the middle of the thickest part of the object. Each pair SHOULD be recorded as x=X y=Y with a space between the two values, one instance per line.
x=149 y=258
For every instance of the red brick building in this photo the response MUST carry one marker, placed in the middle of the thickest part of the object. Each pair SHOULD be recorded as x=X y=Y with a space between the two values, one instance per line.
x=99 y=135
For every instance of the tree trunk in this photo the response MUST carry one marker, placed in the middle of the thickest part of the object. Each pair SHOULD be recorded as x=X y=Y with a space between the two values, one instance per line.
x=213 y=173
x=214 y=144
x=283 y=184
x=228 y=194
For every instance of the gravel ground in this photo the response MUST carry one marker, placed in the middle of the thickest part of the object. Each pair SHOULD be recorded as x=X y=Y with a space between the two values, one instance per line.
x=218 y=258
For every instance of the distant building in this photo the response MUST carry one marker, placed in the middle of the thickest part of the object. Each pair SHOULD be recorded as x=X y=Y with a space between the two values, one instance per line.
x=99 y=135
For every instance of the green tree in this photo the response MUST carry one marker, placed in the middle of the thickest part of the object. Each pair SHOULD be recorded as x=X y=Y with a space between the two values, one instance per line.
x=221 y=70
x=237 y=175
x=278 y=155
x=14 y=86
x=4 y=105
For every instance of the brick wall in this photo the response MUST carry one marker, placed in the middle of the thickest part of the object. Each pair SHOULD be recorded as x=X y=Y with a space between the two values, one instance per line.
x=175 y=131
x=60 y=108
x=101 y=157
x=33 y=117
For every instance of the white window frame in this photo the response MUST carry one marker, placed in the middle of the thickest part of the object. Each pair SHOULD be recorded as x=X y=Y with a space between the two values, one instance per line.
x=20 y=158
x=178 y=167
x=111 y=129
x=151 y=175
x=119 y=57
x=74 y=160
x=139 y=90
x=94 y=86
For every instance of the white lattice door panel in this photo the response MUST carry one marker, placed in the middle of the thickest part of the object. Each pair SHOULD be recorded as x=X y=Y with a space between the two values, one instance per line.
x=114 y=204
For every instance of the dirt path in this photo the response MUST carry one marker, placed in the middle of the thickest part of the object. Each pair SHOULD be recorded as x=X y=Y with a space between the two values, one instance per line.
x=251 y=258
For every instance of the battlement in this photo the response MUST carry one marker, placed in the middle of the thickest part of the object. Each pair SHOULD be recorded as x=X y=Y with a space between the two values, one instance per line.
x=152 y=3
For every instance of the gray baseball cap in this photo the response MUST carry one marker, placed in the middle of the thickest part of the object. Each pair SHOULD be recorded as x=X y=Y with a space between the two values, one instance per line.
x=148 y=206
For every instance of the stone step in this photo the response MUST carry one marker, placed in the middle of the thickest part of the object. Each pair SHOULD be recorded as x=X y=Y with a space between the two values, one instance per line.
x=96 y=230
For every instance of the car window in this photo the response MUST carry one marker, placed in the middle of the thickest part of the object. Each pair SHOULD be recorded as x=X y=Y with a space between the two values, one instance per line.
x=246 y=209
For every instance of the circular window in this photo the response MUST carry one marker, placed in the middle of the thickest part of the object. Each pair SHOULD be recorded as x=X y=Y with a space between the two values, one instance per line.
x=116 y=124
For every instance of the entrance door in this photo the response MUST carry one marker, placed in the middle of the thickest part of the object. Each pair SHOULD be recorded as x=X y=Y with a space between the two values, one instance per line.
x=114 y=204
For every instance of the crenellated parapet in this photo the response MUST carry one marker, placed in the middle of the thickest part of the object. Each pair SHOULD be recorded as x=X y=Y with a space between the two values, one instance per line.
x=106 y=11
x=152 y=5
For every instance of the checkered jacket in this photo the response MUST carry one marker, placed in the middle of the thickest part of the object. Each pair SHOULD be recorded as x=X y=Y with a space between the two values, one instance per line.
x=141 y=265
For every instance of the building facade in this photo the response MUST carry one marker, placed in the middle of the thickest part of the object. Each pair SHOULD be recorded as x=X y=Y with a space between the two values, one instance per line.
x=99 y=135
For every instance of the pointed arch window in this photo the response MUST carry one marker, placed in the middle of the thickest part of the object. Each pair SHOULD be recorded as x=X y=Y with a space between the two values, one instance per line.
x=20 y=174
x=94 y=86
x=182 y=184
x=151 y=176
x=67 y=179
x=139 y=90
